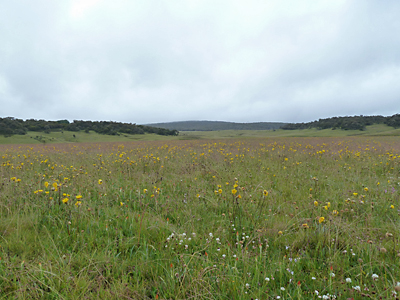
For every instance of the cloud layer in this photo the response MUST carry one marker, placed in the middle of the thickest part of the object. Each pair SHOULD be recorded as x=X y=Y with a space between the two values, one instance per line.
x=153 y=61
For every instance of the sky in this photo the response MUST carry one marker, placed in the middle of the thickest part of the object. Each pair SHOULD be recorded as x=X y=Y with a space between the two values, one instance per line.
x=221 y=60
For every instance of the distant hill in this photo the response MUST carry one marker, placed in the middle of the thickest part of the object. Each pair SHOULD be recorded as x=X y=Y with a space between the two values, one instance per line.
x=216 y=125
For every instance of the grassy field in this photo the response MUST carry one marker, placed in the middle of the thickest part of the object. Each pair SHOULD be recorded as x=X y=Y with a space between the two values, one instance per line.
x=372 y=130
x=91 y=137
x=239 y=218
x=77 y=137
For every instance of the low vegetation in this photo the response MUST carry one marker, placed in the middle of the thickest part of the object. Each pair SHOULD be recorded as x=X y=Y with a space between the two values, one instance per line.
x=217 y=125
x=255 y=218
x=56 y=137
x=11 y=126
x=346 y=123
x=337 y=123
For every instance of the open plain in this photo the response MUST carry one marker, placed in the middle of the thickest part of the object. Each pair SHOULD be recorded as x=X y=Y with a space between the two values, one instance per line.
x=235 y=218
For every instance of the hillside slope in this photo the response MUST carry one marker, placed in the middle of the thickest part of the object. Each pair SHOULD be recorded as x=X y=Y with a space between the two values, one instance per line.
x=216 y=125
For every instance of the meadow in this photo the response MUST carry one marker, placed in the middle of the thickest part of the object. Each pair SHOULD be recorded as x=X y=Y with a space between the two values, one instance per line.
x=238 y=218
x=57 y=137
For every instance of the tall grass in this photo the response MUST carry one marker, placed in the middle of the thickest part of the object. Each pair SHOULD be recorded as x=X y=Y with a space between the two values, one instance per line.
x=295 y=218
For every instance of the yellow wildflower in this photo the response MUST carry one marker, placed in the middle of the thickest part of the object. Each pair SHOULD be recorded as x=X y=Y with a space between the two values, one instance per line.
x=46 y=184
x=321 y=219
x=79 y=197
x=265 y=193
x=65 y=200
x=234 y=191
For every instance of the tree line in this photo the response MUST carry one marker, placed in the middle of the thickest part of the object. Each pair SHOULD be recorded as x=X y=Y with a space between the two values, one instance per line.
x=347 y=123
x=10 y=126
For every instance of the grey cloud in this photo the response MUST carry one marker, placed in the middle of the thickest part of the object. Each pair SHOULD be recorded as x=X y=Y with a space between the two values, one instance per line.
x=158 y=61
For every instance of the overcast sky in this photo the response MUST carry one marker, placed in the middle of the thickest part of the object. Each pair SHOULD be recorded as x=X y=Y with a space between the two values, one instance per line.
x=160 y=61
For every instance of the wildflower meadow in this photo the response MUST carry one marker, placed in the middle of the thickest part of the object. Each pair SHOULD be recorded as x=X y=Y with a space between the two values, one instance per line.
x=255 y=218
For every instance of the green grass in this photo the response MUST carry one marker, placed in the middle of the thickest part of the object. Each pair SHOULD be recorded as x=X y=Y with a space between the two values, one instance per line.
x=244 y=218
x=82 y=137
x=372 y=130
x=68 y=137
